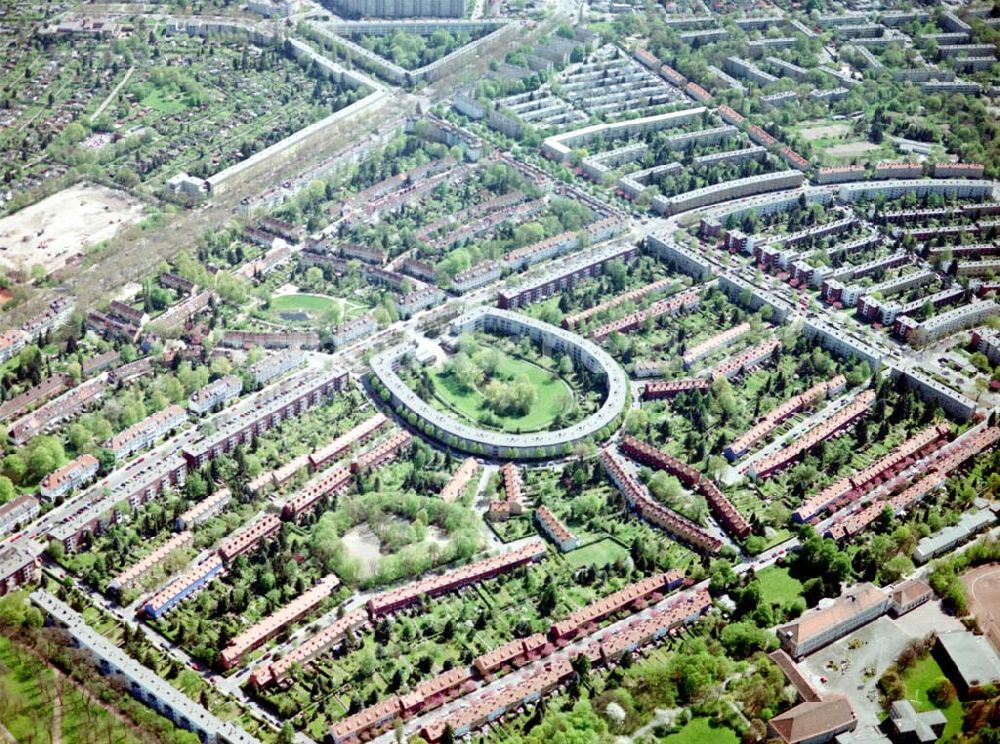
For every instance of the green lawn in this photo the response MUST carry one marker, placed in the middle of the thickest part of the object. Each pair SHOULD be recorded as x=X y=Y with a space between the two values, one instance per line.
x=166 y=101
x=309 y=302
x=598 y=553
x=920 y=678
x=315 y=304
x=30 y=689
x=777 y=587
x=469 y=403
x=701 y=731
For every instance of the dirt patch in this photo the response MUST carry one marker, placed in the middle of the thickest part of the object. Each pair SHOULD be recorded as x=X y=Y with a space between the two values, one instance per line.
x=364 y=547
x=850 y=149
x=437 y=536
x=982 y=588
x=57 y=229
x=811 y=134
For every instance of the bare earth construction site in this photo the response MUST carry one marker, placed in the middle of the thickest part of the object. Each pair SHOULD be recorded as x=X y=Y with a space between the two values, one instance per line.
x=61 y=227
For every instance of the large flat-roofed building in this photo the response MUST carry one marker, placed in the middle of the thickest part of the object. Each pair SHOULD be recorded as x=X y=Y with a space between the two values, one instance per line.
x=987 y=341
x=353 y=330
x=958 y=188
x=952 y=321
x=478 y=276
x=214 y=394
x=852 y=609
x=420 y=299
x=275 y=365
x=400 y=8
x=727 y=190
x=970 y=661
x=560 y=147
x=968 y=525
x=141 y=682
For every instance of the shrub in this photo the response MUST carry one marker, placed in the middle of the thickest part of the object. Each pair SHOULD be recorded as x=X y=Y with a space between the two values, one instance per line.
x=943 y=693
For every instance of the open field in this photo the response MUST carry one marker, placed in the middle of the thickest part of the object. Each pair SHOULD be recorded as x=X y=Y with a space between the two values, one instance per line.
x=851 y=149
x=599 y=553
x=52 y=231
x=303 y=306
x=471 y=403
x=812 y=131
x=777 y=586
x=362 y=545
x=30 y=691
x=982 y=585
x=701 y=730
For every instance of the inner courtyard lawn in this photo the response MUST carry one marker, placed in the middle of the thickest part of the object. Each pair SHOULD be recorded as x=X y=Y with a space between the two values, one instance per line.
x=309 y=302
x=919 y=679
x=471 y=403
x=777 y=587
x=701 y=731
x=314 y=305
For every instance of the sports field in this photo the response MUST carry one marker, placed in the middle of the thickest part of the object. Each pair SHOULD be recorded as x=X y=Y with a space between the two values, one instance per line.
x=982 y=588
x=471 y=404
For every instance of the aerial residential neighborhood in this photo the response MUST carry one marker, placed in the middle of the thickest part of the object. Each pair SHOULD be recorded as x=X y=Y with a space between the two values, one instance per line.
x=508 y=371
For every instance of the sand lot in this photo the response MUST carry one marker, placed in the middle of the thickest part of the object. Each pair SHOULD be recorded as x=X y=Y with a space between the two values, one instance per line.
x=824 y=131
x=850 y=149
x=982 y=588
x=57 y=228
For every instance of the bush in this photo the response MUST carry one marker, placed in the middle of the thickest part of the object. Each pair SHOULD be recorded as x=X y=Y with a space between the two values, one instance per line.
x=891 y=685
x=943 y=693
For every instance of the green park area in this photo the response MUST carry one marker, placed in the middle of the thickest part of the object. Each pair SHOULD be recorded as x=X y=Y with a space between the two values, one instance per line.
x=777 y=586
x=512 y=394
x=601 y=553
x=701 y=731
x=313 y=303
x=923 y=682
x=31 y=694
x=411 y=51
x=304 y=306
x=166 y=101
